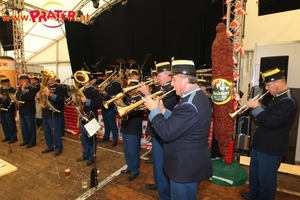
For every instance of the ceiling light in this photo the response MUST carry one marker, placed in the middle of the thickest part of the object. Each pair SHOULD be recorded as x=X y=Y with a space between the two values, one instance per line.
x=95 y=3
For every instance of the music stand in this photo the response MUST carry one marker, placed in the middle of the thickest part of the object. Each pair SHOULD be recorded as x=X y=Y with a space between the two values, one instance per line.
x=89 y=129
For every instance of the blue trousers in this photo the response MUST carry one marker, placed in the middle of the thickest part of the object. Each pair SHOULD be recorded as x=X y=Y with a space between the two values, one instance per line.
x=109 y=118
x=9 y=125
x=132 y=146
x=186 y=191
x=263 y=175
x=28 y=128
x=88 y=144
x=161 y=179
x=52 y=132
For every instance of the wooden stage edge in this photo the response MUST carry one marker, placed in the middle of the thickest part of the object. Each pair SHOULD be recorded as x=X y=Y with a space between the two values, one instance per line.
x=7 y=168
x=284 y=168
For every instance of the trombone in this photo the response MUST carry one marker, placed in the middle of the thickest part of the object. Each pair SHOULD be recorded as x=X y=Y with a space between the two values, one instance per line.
x=244 y=107
x=109 y=80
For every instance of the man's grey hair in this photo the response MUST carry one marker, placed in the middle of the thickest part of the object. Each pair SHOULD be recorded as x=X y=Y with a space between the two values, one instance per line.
x=192 y=79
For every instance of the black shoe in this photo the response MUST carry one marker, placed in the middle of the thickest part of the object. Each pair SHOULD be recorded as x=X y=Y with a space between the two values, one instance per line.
x=151 y=186
x=5 y=140
x=149 y=161
x=114 y=144
x=47 y=150
x=23 y=143
x=57 y=152
x=103 y=140
x=89 y=163
x=246 y=195
x=12 y=141
x=125 y=171
x=132 y=177
x=81 y=159
x=30 y=145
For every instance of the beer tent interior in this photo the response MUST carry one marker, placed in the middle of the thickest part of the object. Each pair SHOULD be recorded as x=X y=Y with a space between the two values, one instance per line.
x=137 y=29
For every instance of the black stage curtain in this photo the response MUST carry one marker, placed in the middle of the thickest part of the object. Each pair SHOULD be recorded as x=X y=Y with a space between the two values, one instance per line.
x=162 y=28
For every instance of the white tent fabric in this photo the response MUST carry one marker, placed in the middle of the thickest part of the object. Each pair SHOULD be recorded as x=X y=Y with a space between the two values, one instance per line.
x=37 y=34
x=44 y=45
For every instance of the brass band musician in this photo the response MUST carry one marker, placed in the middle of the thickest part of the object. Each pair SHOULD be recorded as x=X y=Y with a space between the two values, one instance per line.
x=8 y=112
x=131 y=130
x=91 y=101
x=27 y=111
x=109 y=115
x=53 y=94
x=162 y=182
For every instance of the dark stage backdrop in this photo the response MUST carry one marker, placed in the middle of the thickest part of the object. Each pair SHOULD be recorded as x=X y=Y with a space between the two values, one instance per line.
x=162 y=28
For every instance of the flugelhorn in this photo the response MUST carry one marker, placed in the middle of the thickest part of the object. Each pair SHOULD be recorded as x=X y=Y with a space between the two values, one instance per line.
x=148 y=83
x=124 y=111
x=159 y=98
x=107 y=103
x=242 y=109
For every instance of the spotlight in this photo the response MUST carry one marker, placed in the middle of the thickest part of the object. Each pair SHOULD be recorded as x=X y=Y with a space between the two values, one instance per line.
x=95 y=3
x=79 y=13
x=124 y=2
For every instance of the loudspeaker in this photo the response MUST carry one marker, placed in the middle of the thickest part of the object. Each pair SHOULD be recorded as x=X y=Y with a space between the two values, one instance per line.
x=274 y=6
x=291 y=154
x=6 y=35
x=267 y=63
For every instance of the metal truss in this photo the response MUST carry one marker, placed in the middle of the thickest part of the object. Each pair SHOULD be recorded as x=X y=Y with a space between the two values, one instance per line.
x=235 y=23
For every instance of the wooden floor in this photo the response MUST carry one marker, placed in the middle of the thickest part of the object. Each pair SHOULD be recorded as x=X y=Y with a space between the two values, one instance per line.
x=41 y=176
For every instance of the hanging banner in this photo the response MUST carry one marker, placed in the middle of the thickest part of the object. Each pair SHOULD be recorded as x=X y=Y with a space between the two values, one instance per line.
x=221 y=91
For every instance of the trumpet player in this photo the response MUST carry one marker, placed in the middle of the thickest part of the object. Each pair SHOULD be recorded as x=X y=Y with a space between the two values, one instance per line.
x=109 y=114
x=134 y=74
x=271 y=139
x=162 y=182
x=131 y=130
x=184 y=132
x=91 y=100
x=54 y=95
x=35 y=82
x=8 y=112
x=27 y=111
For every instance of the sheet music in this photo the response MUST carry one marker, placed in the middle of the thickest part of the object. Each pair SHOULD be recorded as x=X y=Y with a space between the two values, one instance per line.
x=92 y=127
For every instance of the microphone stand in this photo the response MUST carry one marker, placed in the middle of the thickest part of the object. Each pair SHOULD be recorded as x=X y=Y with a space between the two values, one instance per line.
x=96 y=66
x=141 y=68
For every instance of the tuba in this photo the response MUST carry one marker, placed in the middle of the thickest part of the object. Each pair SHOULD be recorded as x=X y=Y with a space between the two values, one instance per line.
x=46 y=75
x=81 y=77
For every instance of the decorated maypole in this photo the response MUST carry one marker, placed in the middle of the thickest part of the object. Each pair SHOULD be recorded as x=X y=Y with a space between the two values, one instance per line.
x=225 y=55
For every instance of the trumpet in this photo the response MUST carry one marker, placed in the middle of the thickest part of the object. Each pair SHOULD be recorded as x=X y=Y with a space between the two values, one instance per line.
x=14 y=99
x=244 y=107
x=107 y=103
